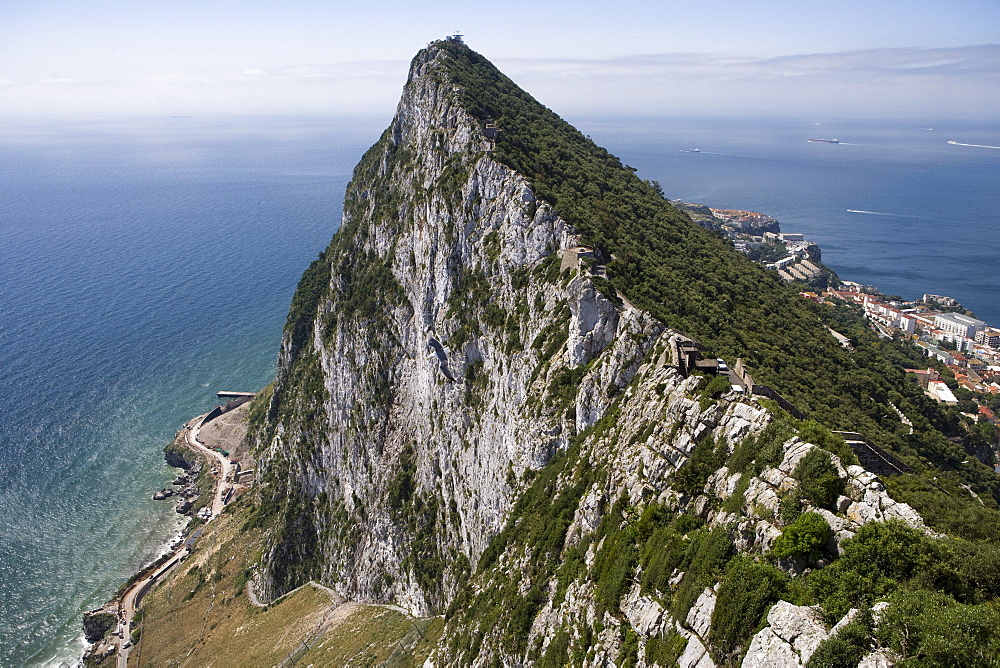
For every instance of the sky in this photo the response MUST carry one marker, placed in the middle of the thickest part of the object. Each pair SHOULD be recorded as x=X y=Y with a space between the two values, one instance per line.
x=890 y=57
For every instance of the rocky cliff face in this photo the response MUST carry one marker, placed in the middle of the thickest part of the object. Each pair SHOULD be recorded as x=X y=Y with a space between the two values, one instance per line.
x=467 y=416
x=456 y=321
x=626 y=483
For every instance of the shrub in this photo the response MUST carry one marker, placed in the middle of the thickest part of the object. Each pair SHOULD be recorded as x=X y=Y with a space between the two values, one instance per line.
x=747 y=592
x=791 y=506
x=666 y=650
x=706 y=555
x=928 y=628
x=629 y=655
x=815 y=433
x=713 y=388
x=818 y=479
x=880 y=557
x=614 y=569
x=706 y=458
x=848 y=647
x=557 y=653
x=805 y=537
x=769 y=444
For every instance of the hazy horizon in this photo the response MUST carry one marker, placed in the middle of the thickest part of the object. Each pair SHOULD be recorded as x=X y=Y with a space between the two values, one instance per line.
x=961 y=82
x=913 y=59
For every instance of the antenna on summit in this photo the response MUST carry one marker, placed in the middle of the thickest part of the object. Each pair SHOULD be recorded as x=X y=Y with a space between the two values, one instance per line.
x=456 y=38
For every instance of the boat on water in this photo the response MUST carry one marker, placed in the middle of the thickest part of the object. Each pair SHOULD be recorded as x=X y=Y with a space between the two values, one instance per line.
x=825 y=141
x=690 y=150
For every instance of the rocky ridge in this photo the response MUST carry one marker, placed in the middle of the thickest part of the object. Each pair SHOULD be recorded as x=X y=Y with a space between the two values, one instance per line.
x=449 y=348
x=472 y=263
x=658 y=422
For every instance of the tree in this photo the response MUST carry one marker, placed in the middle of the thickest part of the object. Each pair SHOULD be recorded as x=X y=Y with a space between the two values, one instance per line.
x=818 y=479
x=805 y=537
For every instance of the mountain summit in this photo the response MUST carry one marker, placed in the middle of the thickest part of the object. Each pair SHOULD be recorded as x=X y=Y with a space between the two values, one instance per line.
x=516 y=390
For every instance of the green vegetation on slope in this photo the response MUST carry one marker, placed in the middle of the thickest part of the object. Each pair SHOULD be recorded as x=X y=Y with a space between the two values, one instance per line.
x=200 y=615
x=693 y=280
x=673 y=557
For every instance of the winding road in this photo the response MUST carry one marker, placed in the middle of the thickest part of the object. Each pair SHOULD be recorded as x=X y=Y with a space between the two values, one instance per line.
x=133 y=595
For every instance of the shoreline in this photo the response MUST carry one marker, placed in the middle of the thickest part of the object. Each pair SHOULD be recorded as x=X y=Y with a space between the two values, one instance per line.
x=109 y=644
x=97 y=652
x=112 y=622
x=185 y=528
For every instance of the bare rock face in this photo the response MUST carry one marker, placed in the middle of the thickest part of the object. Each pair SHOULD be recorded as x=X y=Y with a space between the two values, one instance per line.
x=427 y=413
x=880 y=658
x=699 y=619
x=695 y=655
x=441 y=352
x=97 y=623
x=792 y=635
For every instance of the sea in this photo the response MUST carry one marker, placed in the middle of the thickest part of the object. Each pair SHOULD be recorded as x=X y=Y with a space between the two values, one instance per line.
x=147 y=263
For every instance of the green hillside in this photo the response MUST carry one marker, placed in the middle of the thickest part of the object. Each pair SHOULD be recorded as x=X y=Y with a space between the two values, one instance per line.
x=693 y=280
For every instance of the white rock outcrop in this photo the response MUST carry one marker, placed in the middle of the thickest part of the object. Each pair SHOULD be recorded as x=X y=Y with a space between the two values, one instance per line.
x=792 y=635
x=451 y=353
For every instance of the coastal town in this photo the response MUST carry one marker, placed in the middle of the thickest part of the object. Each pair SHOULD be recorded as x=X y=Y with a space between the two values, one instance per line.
x=760 y=238
x=968 y=348
x=963 y=352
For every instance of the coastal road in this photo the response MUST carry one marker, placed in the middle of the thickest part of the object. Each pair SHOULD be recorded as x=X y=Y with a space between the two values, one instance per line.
x=133 y=596
x=222 y=484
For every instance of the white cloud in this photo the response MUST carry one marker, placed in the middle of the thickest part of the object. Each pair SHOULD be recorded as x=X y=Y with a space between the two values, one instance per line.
x=255 y=72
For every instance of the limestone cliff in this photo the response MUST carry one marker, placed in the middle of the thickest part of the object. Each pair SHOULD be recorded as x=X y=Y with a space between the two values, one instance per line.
x=438 y=356
x=469 y=417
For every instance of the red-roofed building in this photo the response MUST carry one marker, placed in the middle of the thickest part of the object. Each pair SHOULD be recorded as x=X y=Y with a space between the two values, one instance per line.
x=924 y=376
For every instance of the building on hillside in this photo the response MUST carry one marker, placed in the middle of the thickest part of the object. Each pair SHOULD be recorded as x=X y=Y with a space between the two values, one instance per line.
x=889 y=315
x=924 y=376
x=933 y=351
x=976 y=364
x=987 y=414
x=958 y=324
x=859 y=287
x=849 y=296
x=937 y=390
x=939 y=299
x=988 y=337
x=572 y=257
x=925 y=319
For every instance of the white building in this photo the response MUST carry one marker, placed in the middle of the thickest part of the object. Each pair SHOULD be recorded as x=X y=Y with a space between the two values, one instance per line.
x=988 y=337
x=782 y=263
x=938 y=390
x=889 y=315
x=934 y=351
x=960 y=325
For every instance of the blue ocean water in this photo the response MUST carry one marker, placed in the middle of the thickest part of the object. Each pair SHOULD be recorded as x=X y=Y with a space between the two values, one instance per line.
x=145 y=265
x=893 y=205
